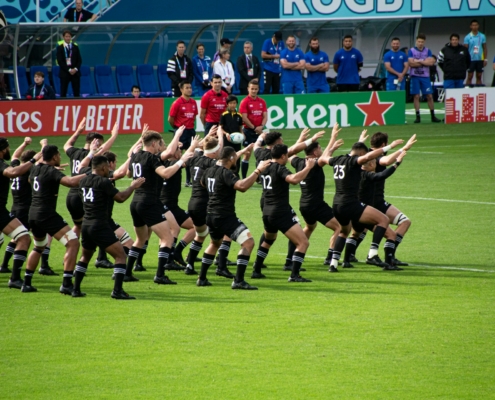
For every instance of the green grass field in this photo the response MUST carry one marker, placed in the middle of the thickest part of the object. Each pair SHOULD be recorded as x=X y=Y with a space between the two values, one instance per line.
x=426 y=332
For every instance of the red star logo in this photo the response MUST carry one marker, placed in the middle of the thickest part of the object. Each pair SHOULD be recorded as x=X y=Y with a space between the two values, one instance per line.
x=374 y=110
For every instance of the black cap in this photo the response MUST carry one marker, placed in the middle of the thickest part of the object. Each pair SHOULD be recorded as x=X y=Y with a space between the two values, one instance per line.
x=278 y=35
x=225 y=41
x=4 y=143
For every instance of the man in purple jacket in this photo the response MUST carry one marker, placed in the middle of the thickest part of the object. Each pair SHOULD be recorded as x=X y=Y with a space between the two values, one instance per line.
x=420 y=60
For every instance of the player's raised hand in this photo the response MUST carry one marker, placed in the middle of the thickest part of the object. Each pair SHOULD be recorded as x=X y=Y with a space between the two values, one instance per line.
x=363 y=137
x=187 y=155
x=336 y=129
x=401 y=155
x=82 y=125
x=115 y=129
x=137 y=182
x=318 y=135
x=395 y=143
x=249 y=148
x=94 y=145
x=213 y=131
x=27 y=141
x=43 y=142
x=195 y=142
x=304 y=135
x=146 y=127
x=263 y=165
x=310 y=162
x=337 y=144
x=410 y=142
x=180 y=131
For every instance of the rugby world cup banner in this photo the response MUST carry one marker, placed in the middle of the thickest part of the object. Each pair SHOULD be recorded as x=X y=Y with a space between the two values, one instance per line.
x=324 y=110
x=61 y=117
x=358 y=9
x=469 y=105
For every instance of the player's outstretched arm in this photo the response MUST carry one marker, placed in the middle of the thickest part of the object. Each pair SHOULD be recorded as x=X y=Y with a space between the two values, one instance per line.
x=72 y=140
x=72 y=181
x=244 y=184
x=328 y=153
x=390 y=159
x=172 y=146
x=86 y=161
x=378 y=152
x=109 y=143
x=294 y=179
x=120 y=197
x=259 y=142
x=167 y=172
x=300 y=146
x=246 y=149
x=21 y=148
x=363 y=137
x=381 y=176
x=14 y=172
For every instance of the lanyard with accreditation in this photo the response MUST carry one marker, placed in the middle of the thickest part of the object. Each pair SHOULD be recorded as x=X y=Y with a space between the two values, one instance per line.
x=249 y=65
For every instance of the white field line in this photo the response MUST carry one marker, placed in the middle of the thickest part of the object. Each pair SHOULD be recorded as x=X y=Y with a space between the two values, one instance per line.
x=419 y=265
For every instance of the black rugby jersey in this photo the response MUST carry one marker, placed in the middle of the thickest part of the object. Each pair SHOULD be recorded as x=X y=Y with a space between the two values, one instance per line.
x=313 y=186
x=97 y=192
x=369 y=181
x=220 y=181
x=45 y=182
x=198 y=165
x=275 y=189
x=76 y=155
x=4 y=184
x=347 y=176
x=379 y=196
x=171 y=188
x=143 y=165
x=21 y=190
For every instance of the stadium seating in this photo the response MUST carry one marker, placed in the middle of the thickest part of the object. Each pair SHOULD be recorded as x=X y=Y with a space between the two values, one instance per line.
x=56 y=82
x=23 y=82
x=87 y=85
x=163 y=79
x=125 y=78
x=105 y=85
x=147 y=81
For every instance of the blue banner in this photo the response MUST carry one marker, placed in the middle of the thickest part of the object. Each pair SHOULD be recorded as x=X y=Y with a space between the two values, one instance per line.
x=356 y=9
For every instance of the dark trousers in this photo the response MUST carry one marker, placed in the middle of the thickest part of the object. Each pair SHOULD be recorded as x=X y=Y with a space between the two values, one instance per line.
x=208 y=126
x=75 y=80
x=272 y=81
x=343 y=87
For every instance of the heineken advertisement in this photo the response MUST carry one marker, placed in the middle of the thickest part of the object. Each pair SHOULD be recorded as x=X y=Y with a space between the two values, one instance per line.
x=324 y=110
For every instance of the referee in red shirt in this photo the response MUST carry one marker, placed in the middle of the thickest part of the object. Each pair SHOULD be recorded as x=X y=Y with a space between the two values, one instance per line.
x=254 y=115
x=213 y=104
x=183 y=112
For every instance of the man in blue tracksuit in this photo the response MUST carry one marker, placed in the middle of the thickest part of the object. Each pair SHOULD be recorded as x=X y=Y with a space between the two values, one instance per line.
x=202 y=71
x=292 y=61
x=347 y=62
x=396 y=64
x=270 y=53
x=317 y=65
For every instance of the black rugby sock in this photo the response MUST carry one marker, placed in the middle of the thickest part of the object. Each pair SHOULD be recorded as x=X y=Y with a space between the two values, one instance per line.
x=134 y=253
x=378 y=235
x=163 y=257
x=389 y=249
x=398 y=240
x=242 y=263
x=44 y=257
x=362 y=236
x=244 y=168
x=205 y=264
x=119 y=271
x=171 y=256
x=28 y=275
x=19 y=259
x=102 y=254
x=350 y=249
x=194 y=250
x=9 y=252
x=81 y=269
x=260 y=258
x=337 y=251
x=329 y=254
x=223 y=252
x=142 y=252
x=297 y=260
x=179 y=248
x=291 y=248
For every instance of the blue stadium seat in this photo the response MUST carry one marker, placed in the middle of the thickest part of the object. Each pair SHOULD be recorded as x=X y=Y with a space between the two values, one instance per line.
x=125 y=78
x=163 y=79
x=105 y=85
x=147 y=82
x=56 y=82
x=87 y=85
x=23 y=82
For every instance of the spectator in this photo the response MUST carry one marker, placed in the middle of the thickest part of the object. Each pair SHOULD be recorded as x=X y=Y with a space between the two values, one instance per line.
x=40 y=90
x=202 y=70
x=136 y=91
x=347 y=62
x=454 y=60
x=396 y=64
x=293 y=62
x=183 y=111
x=224 y=68
x=225 y=44
x=270 y=53
x=420 y=59
x=248 y=67
x=179 y=68
x=78 y=14
x=69 y=60
x=213 y=104
x=317 y=65
x=475 y=41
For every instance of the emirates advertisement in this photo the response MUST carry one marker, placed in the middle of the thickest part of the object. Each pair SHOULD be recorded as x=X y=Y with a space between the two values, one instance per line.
x=61 y=117
x=469 y=105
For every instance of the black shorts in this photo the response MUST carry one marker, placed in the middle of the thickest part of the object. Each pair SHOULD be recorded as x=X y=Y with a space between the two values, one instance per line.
x=22 y=214
x=221 y=226
x=321 y=213
x=5 y=218
x=279 y=222
x=75 y=206
x=113 y=225
x=349 y=212
x=179 y=214
x=50 y=226
x=148 y=214
x=476 y=66
x=382 y=206
x=198 y=217
x=97 y=235
x=251 y=136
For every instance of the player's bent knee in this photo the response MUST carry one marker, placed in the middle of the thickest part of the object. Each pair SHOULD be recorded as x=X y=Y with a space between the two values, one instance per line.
x=69 y=236
x=401 y=219
x=204 y=233
x=242 y=234
x=124 y=238
x=19 y=232
x=41 y=243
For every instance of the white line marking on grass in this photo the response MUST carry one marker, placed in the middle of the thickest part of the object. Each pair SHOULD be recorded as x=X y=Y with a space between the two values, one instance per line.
x=423 y=111
x=418 y=265
x=425 y=152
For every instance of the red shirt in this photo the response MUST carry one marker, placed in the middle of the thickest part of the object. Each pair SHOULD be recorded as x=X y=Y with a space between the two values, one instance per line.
x=184 y=112
x=215 y=105
x=254 y=108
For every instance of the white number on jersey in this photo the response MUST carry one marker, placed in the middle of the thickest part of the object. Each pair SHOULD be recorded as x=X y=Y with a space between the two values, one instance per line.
x=211 y=185
x=339 y=172
x=267 y=181
x=36 y=184
x=15 y=184
x=136 y=170
x=75 y=166
x=88 y=197
x=196 y=170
